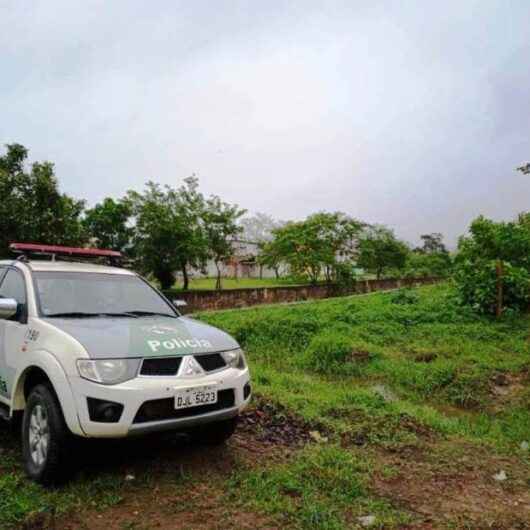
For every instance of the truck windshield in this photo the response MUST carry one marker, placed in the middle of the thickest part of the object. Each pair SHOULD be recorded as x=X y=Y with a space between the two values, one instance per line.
x=80 y=294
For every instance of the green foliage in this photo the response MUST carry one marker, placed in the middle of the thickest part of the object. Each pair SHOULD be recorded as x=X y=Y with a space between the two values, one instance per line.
x=432 y=265
x=32 y=208
x=380 y=250
x=313 y=246
x=404 y=296
x=422 y=346
x=108 y=224
x=336 y=351
x=329 y=352
x=220 y=227
x=317 y=490
x=477 y=283
x=178 y=228
x=488 y=244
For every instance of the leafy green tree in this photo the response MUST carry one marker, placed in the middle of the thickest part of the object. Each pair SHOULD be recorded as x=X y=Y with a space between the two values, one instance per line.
x=108 y=223
x=314 y=246
x=221 y=227
x=32 y=208
x=420 y=264
x=169 y=235
x=432 y=259
x=492 y=266
x=432 y=244
x=380 y=250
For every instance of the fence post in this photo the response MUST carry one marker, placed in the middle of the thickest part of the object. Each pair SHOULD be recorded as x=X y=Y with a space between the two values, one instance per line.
x=499 y=269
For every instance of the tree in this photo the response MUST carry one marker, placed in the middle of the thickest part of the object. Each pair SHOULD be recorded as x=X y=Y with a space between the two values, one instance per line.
x=525 y=169
x=259 y=227
x=420 y=264
x=432 y=244
x=221 y=227
x=431 y=259
x=32 y=209
x=492 y=266
x=169 y=234
x=108 y=224
x=380 y=250
x=314 y=245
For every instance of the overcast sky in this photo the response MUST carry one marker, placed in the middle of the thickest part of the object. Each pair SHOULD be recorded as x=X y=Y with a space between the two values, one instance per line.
x=413 y=114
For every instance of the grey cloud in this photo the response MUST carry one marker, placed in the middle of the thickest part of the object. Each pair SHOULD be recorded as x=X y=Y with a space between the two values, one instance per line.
x=412 y=115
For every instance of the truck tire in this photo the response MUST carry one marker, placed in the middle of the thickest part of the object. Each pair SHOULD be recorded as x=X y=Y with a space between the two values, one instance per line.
x=215 y=433
x=45 y=437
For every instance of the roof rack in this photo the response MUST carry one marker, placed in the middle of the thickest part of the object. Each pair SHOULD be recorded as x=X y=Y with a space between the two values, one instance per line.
x=26 y=249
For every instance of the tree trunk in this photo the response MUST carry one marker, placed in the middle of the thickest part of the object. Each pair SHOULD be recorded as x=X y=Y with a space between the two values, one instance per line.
x=185 y=278
x=277 y=272
x=500 y=295
x=261 y=271
x=378 y=273
x=218 y=280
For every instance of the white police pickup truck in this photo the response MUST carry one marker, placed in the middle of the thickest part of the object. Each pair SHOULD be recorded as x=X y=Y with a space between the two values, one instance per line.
x=95 y=351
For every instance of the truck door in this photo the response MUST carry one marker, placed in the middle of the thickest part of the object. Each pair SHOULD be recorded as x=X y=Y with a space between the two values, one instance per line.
x=12 y=331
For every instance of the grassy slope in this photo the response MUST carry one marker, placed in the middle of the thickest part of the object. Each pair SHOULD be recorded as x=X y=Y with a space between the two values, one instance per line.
x=420 y=363
x=399 y=367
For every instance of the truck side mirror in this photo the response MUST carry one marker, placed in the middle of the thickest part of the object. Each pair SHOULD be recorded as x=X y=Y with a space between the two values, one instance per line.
x=8 y=308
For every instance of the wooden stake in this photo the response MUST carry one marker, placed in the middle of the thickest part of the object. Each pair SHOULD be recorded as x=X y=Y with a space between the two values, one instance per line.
x=500 y=271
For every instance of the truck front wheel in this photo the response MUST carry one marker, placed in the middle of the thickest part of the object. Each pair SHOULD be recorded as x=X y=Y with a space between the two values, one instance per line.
x=45 y=437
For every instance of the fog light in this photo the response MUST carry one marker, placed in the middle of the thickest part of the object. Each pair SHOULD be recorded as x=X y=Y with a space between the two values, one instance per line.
x=104 y=411
x=246 y=390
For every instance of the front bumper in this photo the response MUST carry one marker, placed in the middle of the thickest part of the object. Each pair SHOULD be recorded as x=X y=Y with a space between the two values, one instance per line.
x=134 y=393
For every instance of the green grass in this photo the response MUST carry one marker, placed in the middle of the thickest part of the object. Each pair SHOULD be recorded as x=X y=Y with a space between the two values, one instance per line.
x=240 y=283
x=328 y=360
x=372 y=374
x=322 y=488
x=381 y=371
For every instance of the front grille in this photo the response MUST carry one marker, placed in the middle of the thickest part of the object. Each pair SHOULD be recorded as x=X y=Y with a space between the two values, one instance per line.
x=164 y=409
x=162 y=366
x=210 y=361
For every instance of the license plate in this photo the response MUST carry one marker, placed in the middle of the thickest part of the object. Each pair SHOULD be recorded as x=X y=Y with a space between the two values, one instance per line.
x=196 y=396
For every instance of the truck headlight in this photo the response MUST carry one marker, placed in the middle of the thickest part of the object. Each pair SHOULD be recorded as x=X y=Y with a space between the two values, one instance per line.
x=235 y=358
x=108 y=371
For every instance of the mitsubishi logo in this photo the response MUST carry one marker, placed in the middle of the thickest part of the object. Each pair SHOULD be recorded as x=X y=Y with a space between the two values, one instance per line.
x=190 y=367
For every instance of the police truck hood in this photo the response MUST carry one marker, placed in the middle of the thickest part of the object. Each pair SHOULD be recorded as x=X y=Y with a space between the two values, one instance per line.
x=115 y=338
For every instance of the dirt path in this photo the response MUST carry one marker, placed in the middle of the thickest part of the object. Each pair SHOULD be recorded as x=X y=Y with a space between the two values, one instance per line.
x=170 y=484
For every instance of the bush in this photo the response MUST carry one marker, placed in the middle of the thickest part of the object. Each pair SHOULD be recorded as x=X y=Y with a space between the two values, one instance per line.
x=477 y=285
x=405 y=297
x=334 y=352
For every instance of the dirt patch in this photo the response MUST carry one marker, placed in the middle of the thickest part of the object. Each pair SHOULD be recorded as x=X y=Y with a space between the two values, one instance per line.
x=177 y=485
x=201 y=507
x=507 y=389
x=453 y=485
x=426 y=357
x=272 y=424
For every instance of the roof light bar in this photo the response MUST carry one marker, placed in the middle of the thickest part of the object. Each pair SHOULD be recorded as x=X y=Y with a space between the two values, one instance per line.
x=28 y=248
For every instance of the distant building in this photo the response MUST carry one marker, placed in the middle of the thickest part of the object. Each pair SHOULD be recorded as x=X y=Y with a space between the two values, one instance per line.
x=242 y=264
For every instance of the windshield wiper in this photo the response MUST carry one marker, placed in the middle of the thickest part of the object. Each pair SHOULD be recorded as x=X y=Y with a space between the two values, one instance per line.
x=78 y=314
x=73 y=314
x=150 y=314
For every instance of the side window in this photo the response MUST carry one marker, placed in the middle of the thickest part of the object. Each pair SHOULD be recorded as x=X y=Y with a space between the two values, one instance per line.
x=13 y=286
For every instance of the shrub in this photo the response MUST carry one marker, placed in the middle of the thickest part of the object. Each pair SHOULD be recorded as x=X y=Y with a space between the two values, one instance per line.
x=334 y=352
x=404 y=296
x=477 y=285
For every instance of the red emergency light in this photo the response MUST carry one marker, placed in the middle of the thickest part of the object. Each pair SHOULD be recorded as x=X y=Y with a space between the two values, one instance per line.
x=53 y=250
